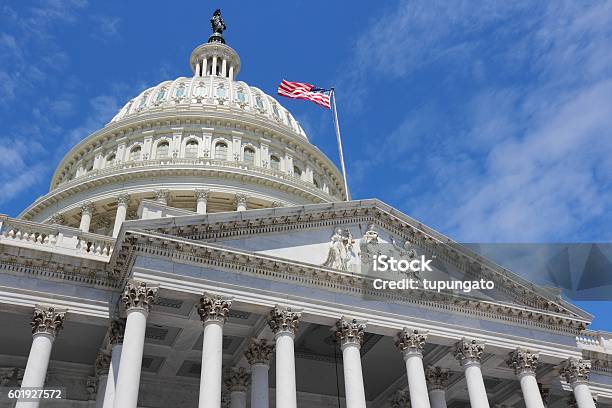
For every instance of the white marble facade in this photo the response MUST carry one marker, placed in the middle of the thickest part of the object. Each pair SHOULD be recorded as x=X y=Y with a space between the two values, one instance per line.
x=195 y=253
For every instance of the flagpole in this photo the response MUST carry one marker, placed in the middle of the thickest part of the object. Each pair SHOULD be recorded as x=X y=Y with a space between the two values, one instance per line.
x=337 y=126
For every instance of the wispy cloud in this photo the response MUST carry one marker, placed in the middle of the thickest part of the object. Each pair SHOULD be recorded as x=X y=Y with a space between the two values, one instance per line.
x=525 y=155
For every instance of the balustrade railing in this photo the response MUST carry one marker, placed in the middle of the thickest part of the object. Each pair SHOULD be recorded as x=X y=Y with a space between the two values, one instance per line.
x=55 y=238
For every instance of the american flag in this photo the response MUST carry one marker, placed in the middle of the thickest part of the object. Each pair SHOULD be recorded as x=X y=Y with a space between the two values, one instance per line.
x=300 y=90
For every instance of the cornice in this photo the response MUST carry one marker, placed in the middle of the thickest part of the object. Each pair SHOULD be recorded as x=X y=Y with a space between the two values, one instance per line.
x=267 y=267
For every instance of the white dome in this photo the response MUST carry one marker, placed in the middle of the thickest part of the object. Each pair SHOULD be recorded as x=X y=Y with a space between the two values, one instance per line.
x=201 y=93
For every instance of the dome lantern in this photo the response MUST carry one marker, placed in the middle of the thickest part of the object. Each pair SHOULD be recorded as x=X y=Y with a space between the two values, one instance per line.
x=215 y=57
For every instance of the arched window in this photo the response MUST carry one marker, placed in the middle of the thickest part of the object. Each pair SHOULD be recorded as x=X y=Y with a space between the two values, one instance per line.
x=135 y=153
x=259 y=102
x=163 y=149
x=221 y=91
x=221 y=151
x=200 y=90
x=180 y=91
x=160 y=95
x=191 y=149
x=297 y=172
x=275 y=110
x=274 y=162
x=241 y=96
x=110 y=159
x=143 y=101
x=249 y=155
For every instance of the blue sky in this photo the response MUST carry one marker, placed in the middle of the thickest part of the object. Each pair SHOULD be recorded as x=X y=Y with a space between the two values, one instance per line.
x=489 y=121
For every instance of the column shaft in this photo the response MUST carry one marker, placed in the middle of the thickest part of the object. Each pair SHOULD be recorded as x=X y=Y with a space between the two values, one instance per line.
x=476 y=387
x=238 y=399
x=113 y=375
x=285 y=371
x=437 y=399
x=101 y=392
x=119 y=218
x=531 y=391
x=36 y=367
x=416 y=379
x=583 y=395
x=85 y=221
x=126 y=392
x=212 y=354
x=353 y=376
x=259 y=386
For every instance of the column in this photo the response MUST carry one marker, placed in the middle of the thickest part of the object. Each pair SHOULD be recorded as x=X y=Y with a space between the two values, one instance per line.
x=284 y=323
x=138 y=297
x=437 y=379
x=237 y=382
x=87 y=210
x=231 y=72
x=350 y=333
x=201 y=200
x=204 y=67
x=576 y=372
x=241 y=202
x=411 y=344
x=102 y=367
x=115 y=337
x=46 y=323
x=213 y=311
x=161 y=196
x=468 y=353
x=223 y=67
x=213 y=68
x=122 y=204
x=197 y=70
x=524 y=363
x=258 y=355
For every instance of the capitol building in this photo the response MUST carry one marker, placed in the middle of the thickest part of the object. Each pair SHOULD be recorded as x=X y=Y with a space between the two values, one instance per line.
x=198 y=251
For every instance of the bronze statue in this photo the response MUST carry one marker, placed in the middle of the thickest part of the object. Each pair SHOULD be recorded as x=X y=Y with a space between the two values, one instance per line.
x=217 y=23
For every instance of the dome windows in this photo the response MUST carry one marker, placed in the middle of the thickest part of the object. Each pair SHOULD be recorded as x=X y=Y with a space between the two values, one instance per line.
x=162 y=150
x=143 y=101
x=199 y=91
x=275 y=110
x=274 y=162
x=221 y=151
x=259 y=101
x=135 y=153
x=249 y=155
x=221 y=92
x=179 y=92
x=161 y=94
x=191 y=149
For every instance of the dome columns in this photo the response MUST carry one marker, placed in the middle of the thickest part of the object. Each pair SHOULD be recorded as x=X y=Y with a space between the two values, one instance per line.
x=215 y=59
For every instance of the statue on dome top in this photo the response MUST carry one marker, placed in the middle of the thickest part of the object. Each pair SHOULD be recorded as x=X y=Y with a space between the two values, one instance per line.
x=217 y=22
x=218 y=26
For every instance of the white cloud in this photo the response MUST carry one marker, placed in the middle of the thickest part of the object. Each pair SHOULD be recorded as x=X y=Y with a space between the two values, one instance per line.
x=529 y=157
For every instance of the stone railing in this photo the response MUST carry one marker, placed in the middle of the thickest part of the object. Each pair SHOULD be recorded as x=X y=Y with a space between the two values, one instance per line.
x=55 y=238
x=197 y=163
x=595 y=340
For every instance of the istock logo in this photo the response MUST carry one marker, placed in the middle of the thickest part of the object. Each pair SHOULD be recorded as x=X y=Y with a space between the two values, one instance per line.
x=383 y=263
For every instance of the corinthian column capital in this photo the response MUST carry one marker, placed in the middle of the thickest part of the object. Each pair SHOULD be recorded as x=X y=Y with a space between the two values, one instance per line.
x=214 y=308
x=87 y=208
x=202 y=194
x=350 y=332
x=523 y=361
x=284 y=320
x=469 y=351
x=259 y=352
x=240 y=199
x=47 y=320
x=123 y=199
x=437 y=378
x=139 y=295
x=575 y=370
x=400 y=399
x=237 y=379
x=411 y=341
x=103 y=360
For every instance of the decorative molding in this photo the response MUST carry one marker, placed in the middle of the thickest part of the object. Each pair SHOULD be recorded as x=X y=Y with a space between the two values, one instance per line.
x=87 y=208
x=469 y=351
x=139 y=295
x=202 y=195
x=57 y=218
x=116 y=331
x=259 y=352
x=240 y=199
x=575 y=370
x=437 y=377
x=411 y=341
x=123 y=199
x=162 y=195
x=350 y=332
x=102 y=364
x=214 y=308
x=283 y=320
x=523 y=361
x=47 y=320
x=237 y=379
x=401 y=399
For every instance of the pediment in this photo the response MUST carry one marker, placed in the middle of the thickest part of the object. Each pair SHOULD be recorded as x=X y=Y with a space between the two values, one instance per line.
x=306 y=235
